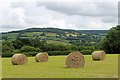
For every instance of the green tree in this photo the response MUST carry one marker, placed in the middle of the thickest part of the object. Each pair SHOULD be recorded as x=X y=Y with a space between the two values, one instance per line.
x=29 y=49
x=43 y=34
x=37 y=43
x=7 y=46
x=55 y=47
x=74 y=47
x=111 y=43
x=19 y=43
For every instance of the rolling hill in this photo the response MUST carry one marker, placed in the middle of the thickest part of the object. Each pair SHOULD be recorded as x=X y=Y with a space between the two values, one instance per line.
x=55 y=35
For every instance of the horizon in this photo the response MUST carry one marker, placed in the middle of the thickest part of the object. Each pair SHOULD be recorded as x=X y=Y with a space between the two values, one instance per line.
x=49 y=27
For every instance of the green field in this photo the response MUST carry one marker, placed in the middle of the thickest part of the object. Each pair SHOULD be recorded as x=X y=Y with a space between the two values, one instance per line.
x=56 y=68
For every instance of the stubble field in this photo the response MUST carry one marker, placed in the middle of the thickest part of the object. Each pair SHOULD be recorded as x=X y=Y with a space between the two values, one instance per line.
x=56 y=68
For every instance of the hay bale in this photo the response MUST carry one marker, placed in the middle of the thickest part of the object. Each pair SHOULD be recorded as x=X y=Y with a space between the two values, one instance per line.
x=98 y=55
x=75 y=60
x=19 y=59
x=41 y=57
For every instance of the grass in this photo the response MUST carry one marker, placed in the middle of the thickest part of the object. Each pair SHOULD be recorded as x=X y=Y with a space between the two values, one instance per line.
x=51 y=34
x=57 y=42
x=56 y=68
x=11 y=35
x=0 y=69
x=31 y=34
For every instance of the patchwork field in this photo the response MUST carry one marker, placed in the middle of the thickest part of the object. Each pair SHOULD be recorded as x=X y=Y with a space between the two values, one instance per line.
x=56 y=68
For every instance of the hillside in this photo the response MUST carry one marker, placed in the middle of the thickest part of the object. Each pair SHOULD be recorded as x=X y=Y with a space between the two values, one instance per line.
x=55 y=35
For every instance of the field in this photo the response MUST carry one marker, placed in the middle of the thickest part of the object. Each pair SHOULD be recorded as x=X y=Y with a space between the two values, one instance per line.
x=74 y=37
x=56 y=68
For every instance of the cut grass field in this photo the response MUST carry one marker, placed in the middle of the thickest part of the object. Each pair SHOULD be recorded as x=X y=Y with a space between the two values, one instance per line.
x=56 y=68
x=57 y=42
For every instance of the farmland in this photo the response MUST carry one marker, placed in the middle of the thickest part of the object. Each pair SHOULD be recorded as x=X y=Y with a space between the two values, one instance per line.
x=56 y=68
x=58 y=43
x=75 y=37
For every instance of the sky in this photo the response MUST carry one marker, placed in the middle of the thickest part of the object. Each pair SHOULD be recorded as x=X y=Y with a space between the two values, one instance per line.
x=69 y=14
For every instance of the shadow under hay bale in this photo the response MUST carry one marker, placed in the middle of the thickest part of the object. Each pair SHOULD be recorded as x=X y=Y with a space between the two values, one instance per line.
x=98 y=55
x=75 y=60
x=19 y=59
x=41 y=57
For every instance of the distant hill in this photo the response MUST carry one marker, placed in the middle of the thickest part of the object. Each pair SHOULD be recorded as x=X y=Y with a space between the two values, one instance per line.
x=55 y=35
x=57 y=30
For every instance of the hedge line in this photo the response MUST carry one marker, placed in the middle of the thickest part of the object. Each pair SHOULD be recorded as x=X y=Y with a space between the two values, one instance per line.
x=51 y=53
x=59 y=52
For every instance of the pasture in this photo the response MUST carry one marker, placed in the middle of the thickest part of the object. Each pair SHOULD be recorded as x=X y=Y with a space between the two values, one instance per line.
x=56 y=68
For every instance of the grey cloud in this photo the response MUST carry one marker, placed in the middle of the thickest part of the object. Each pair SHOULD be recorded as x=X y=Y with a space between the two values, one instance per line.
x=83 y=8
x=63 y=14
x=109 y=19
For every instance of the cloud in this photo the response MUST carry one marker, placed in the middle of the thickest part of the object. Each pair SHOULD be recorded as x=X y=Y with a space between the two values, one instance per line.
x=109 y=19
x=11 y=17
x=82 y=8
x=66 y=15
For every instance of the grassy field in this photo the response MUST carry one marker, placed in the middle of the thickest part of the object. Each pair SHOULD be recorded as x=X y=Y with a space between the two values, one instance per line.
x=57 y=42
x=0 y=68
x=56 y=68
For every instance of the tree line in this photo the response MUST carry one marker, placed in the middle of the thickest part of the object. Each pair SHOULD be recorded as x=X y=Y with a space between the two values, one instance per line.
x=30 y=47
x=33 y=46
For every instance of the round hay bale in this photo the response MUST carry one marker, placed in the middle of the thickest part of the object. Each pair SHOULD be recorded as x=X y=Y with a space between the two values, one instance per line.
x=19 y=59
x=41 y=57
x=75 y=60
x=98 y=55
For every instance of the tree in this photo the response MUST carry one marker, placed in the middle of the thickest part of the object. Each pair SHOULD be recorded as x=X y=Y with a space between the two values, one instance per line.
x=74 y=47
x=7 y=46
x=43 y=34
x=37 y=43
x=55 y=47
x=19 y=43
x=70 y=35
x=29 y=49
x=4 y=37
x=111 y=43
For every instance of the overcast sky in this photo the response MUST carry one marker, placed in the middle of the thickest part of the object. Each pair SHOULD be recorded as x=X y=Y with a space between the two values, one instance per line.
x=78 y=15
